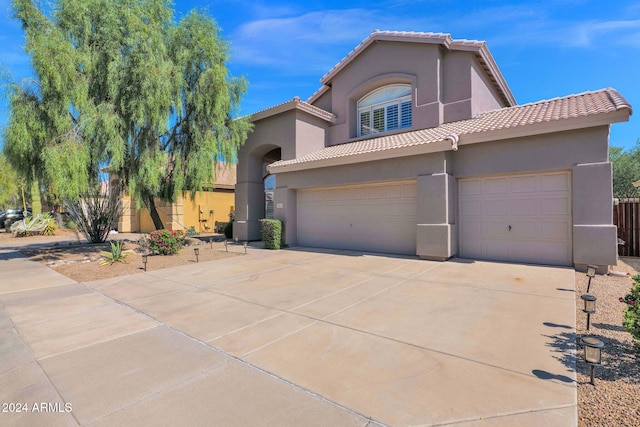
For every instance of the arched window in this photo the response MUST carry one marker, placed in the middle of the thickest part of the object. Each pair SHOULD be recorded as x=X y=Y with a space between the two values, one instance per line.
x=384 y=110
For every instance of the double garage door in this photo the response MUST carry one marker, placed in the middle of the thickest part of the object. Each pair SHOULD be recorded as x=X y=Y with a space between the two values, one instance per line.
x=376 y=217
x=521 y=218
x=524 y=218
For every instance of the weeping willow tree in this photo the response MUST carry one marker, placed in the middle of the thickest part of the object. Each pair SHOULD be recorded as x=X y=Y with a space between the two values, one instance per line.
x=122 y=83
x=25 y=138
x=9 y=185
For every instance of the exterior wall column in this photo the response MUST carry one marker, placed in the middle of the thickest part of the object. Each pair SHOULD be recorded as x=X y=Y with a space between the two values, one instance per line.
x=129 y=222
x=286 y=211
x=249 y=210
x=595 y=238
x=436 y=236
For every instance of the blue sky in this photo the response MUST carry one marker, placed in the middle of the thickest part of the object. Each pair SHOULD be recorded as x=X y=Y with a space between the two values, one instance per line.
x=544 y=49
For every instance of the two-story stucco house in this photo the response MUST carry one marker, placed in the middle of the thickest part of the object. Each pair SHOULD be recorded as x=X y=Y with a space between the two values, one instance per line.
x=414 y=144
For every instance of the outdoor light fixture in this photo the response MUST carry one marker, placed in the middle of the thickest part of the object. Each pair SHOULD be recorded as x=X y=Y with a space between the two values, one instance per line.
x=197 y=252
x=589 y=306
x=245 y=247
x=591 y=273
x=144 y=261
x=211 y=242
x=226 y=243
x=592 y=353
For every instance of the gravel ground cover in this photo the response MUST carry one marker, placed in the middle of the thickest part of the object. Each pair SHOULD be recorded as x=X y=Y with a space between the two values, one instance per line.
x=69 y=254
x=615 y=399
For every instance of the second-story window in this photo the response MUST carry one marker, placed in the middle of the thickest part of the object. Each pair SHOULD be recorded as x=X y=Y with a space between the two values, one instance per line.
x=384 y=110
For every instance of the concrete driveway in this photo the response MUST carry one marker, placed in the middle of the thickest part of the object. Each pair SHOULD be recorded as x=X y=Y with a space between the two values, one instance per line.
x=293 y=337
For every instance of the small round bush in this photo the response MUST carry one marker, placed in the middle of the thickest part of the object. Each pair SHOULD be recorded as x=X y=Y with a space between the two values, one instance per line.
x=166 y=242
x=228 y=230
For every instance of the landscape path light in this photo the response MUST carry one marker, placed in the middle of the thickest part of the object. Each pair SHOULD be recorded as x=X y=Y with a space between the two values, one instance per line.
x=589 y=306
x=591 y=273
x=245 y=247
x=144 y=261
x=197 y=252
x=226 y=244
x=592 y=353
x=211 y=243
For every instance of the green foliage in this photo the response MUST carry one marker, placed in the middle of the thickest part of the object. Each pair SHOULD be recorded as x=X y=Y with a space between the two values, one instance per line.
x=626 y=170
x=9 y=189
x=228 y=230
x=51 y=225
x=31 y=226
x=95 y=213
x=123 y=83
x=116 y=254
x=166 y=242
x=191 y=232
x=271 y=233
x=631 y=320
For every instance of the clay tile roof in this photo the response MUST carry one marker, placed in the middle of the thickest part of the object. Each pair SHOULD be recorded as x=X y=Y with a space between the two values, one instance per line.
x=542 y=112
x=295 y=103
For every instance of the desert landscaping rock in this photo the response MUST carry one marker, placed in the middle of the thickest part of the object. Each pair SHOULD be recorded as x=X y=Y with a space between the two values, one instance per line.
x=615 y=399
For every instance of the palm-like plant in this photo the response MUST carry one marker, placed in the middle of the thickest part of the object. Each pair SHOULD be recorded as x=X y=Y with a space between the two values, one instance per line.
x=116 y=254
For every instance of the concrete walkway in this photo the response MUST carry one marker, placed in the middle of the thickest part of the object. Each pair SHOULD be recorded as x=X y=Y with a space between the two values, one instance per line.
x=295 y=337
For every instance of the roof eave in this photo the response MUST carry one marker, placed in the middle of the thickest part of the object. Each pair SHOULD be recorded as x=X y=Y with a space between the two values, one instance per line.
x=294 y=104
x=542 y=128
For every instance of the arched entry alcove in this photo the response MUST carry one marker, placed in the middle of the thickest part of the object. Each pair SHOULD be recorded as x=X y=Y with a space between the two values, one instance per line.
x=255 y=190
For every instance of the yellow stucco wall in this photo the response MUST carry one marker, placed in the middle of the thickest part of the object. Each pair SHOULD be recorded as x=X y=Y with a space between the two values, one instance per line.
x=206 y=208
x=201 y=212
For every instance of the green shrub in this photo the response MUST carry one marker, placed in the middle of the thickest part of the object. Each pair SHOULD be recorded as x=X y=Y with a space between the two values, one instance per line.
x=191 y=231
x=51 y=225
x=631 y=320
x=228 y=230
x=166 y=242
x=30 y=226
x=271 y=233
x=116 y=254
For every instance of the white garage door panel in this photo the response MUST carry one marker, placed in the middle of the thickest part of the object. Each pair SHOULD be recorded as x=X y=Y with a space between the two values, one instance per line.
x=537 y=207
x=377 y=217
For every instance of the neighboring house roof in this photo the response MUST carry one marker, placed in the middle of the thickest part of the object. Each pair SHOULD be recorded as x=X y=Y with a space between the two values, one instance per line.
x=587 y=109
x=294 y=104
x=225 y=176
x=479 y=48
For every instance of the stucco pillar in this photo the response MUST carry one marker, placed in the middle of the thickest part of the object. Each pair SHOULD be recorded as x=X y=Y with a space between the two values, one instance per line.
x=285 y=210
x=594 y=235
x=436 y=231
x=249 y=210
x=129 y=222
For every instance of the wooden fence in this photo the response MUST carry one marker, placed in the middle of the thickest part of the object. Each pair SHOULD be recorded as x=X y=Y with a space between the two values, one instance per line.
x=626 y=215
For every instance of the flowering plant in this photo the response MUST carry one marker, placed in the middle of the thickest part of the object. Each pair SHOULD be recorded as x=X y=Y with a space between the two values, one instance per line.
x=166 y=242
x=631 y=320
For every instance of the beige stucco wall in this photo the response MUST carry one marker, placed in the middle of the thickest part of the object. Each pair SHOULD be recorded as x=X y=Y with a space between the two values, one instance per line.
x=584 y=152
x=296 y=133
x=448 y=85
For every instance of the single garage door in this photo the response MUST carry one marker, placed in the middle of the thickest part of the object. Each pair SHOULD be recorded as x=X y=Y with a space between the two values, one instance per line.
x=376 y=217
x=523 y=218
